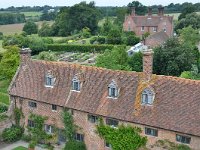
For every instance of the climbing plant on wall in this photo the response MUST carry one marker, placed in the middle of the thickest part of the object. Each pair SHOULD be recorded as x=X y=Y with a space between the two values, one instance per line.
x=123 y=137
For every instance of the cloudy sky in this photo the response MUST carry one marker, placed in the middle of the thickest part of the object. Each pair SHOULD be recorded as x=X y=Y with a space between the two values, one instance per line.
x=8 y=3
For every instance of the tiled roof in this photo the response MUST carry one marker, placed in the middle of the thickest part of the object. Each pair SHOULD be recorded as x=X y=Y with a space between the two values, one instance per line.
x=176 y=106
x=150 y=21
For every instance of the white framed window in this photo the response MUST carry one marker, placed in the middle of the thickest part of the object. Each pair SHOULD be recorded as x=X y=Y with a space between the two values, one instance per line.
x=183 y=139
x=112 y=122
x=150 y=131
x=93 y=118
x=54 y=107
x=154 y=29
x=113 y=89
x=142 y=28
x=75 y=84
x=49 y=80
x=147 y=96
x=164 y=29
x=48 y=129
x=32 y=104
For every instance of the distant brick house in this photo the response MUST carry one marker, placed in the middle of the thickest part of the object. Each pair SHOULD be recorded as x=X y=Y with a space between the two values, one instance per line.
x=163 y=107
x=151 y=23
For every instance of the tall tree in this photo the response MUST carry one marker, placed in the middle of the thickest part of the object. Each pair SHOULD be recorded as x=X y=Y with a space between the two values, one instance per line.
x=173 y=58
x=30 y=28
x=139 y=7
x=77 y=17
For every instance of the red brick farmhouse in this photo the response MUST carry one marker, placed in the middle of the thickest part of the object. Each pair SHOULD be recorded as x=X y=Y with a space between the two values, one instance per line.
x=163 y=107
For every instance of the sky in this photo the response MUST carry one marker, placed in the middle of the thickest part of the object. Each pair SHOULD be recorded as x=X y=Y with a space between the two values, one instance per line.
x=16 y=3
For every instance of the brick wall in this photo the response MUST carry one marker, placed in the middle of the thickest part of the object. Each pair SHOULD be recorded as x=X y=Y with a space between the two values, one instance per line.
x=92 y=140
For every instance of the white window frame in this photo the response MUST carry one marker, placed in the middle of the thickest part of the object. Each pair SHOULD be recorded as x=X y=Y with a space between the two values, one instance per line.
x=81 y=137
x=147 y=96
x=142 y=28
x=155 y=29
x=113 y=91
x=92 y=118
x=181 y=139
x=48 y=129
x=76 y=84
x=49 y=83
x=153 y=132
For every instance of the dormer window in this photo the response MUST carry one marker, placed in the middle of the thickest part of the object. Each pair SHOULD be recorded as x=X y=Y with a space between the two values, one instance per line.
x=75 y=84
x=113 y=89
x=49 y=80
x=147 y=96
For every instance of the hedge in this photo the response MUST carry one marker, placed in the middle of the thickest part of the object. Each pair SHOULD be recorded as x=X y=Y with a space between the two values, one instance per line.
x=79 y=48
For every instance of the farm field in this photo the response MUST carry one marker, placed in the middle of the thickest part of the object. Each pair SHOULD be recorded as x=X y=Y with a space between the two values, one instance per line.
x=177 y=14
x=16 y=28
x=31 y=14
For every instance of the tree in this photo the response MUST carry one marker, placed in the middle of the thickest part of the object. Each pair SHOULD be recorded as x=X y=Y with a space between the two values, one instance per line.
x=77 y=17
x=193 y=74
x=190 y=8
x=86 y=33
x=117 y=59
x=135 y=62
x=173 y=58
x=189 y=36
x=107 y=26
x=192 y=20
x=114 y=36
x=139 y=7
x=45 y=30
x=9 y=62
x=30 y=28
x=129 y=38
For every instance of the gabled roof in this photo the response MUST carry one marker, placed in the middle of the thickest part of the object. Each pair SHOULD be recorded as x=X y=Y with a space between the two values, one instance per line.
x=176 y=105
x=150 y=21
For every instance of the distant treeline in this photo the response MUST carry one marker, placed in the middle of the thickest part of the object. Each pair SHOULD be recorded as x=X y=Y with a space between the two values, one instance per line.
x=29 y=9
x=11 y=18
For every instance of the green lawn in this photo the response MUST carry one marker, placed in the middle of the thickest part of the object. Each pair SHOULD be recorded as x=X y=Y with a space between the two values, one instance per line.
x=31 y=14
x=1 y=48
x=4 y=98
x=20 y=148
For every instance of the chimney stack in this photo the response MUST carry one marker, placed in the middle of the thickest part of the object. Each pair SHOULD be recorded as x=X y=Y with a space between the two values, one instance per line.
x=25 y=55
x=132 y=11
x=147 y=63
x=160 y=11
x=149 y=11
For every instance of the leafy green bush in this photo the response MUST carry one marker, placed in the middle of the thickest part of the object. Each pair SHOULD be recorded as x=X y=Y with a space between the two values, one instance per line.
x=12 y=134
x=3 y=117
x=26 y=138
x=79 y=48
x=3 y=108
x=183 y=147
x=75 y=145
x=32 y=144
x=99 y=39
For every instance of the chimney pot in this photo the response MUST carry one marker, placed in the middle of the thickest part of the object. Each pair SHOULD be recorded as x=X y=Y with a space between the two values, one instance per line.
x=160 y=11
x=147 y=63
x=149 y=11
x=132 y=10
x=25 y=55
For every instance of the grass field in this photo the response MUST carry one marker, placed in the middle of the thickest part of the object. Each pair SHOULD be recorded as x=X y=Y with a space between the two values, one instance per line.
x=20 y=148
x=16 y=28
x=1 y=48
x=177 y=14
x=31 y=14
x=4 y=98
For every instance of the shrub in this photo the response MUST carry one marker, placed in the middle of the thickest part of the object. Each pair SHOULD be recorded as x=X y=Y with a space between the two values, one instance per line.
x=75 y=145
x=32 y=144
x=3 y=108
x=26 y=138
x=183 y=147
x=12 y=134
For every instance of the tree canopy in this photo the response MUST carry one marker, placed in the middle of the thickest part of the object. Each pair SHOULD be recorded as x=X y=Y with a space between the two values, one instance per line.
x=75 y=18
x=30 y=27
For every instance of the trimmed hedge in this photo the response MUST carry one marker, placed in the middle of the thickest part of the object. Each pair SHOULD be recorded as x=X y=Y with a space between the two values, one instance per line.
x=79 y=48
x=75 y=145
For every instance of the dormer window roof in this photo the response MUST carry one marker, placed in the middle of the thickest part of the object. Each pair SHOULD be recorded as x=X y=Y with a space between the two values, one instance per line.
x=147 y=96
x=75 y=84
x=113 y=89
x=49 y=80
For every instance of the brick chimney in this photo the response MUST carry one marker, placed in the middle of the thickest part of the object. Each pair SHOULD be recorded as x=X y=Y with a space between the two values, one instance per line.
x=160 y=11
x=147 y=63
x=149 y=11
x=25 y=55
x=132 y=11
